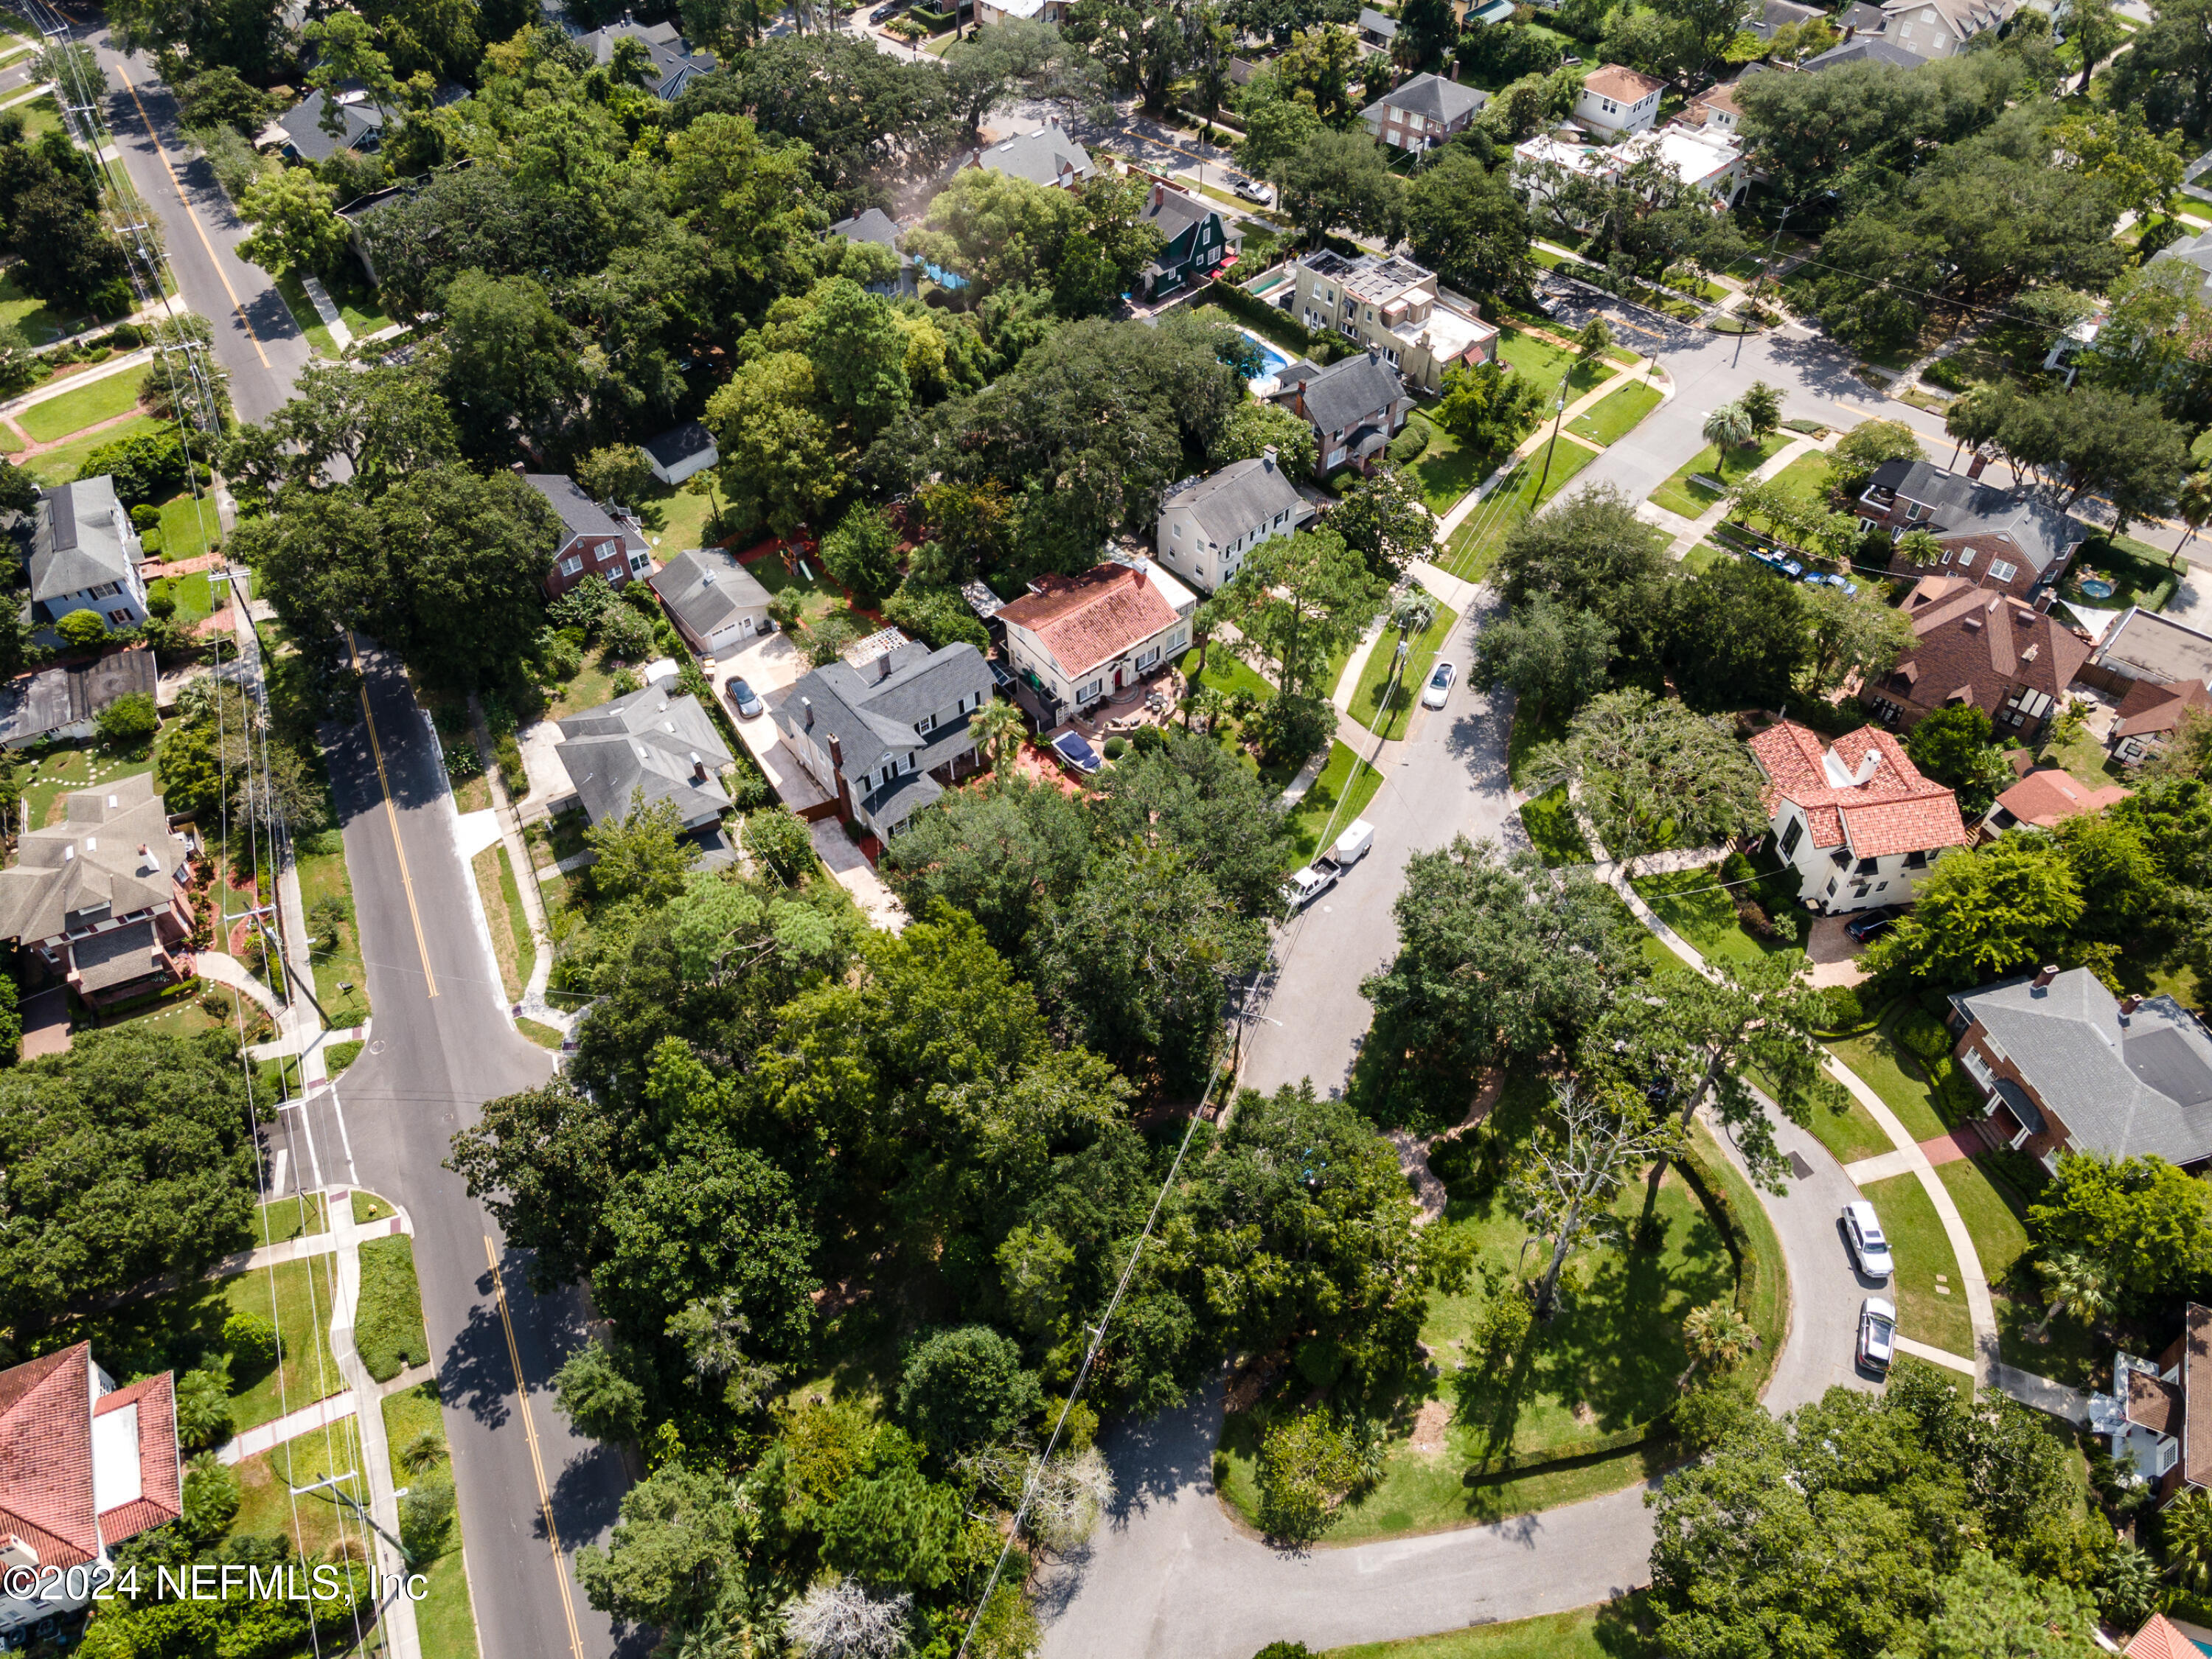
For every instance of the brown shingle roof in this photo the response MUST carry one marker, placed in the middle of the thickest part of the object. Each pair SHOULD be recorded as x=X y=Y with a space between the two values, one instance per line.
x=1622 y=85
x=1974 y=646
x=2052 y=796
x=2153 y=1402
x=1895 y=811
x=2197 y=1396
x=1093 y=618
x=2150 y=708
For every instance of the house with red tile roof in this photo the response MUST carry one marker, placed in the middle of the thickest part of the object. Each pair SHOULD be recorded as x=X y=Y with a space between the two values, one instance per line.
x=83 y=1466
x=2162 y=1638
x=2150 y=713
x=1975 y=647
x=1854 y=818
x=1075 y=641
x=2047 y=797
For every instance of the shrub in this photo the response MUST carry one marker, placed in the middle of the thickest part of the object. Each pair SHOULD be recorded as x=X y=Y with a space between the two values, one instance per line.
x=1117 y=747
x=252 y=1342
x=145 y=516
x=1319 y=1360
x=145 y=468
x=203 y=1404
x=780 y=840
x=1755 y=918
x=626 y=681
x=128 y=722
x=1307 y=1465
x=1841 y=1008
x=627 y=633
x=937 y=617
x=160 y=602
x=1285 y=1650
x=1735 y=867
x=1406 y=447
x=966 y=1386
x=1946 y=373
x=1503 y=1325
x=1149 y=740
x=1927 y=1039
x=211 y=1497
x=426 y=1517
x=462 y=761
x=81 y=629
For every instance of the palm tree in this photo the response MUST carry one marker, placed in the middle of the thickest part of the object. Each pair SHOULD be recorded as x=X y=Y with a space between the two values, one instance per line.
x=998 y=725
x=2193 y=501
x=2073 y=1280
x=1716 y=1334
x=1209 y=707
x=1728 y=428
x=1205 y=622
x=1920 y=546
x=2186 y=1529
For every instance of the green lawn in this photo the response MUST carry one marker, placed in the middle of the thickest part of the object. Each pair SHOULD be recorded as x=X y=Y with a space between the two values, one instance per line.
x=266 y=1508
x=301 y=1216
x=1226 y=672
x=1330 y=796
x=1695 y=904
x=39 y=321
x=1475 y=545
x=1368 y=706
x=188 y=526
x=2084 y=759
x=448 y=1627
x=54 y=418
x=1704 y=556
x=1541 y=364
x=545 y=1036
x=1447 y=472
x=1613 y=418
x=1605 y=1632
x=510 y=929
x=300 y=1296
x=304 y=313
x=335 y=959
x=1924 y=1261
x=40 y=117
x=1805 y=480
x=1883 y=1070
x=44 y=782
x=1679 y=494
x=1849 y=1132
x=194 y=594
x=388 y=1322
x=1551 y=828
x=59 y=466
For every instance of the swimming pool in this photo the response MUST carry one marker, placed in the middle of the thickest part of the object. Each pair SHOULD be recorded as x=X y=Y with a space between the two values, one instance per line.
x=1273 y=360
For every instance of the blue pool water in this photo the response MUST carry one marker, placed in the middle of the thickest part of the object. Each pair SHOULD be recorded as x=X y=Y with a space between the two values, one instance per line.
x=1273 y=360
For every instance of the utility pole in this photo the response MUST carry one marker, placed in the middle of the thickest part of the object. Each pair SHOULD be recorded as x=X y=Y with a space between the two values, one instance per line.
x=1559 y=413
x=1758 y=287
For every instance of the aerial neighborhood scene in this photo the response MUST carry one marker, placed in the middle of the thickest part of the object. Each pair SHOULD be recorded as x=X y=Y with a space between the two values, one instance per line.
x=1106 y=829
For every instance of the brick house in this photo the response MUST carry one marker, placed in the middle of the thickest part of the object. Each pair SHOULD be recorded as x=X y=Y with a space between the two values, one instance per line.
x=1992 y=537
x=2065 y=1065
x=1354 y=406
x=83 y=1466
x=1973 y=647
x=1855 y=818
x=1425 y=112
x=593 y=541
x=2150 y=713
x=100 y=897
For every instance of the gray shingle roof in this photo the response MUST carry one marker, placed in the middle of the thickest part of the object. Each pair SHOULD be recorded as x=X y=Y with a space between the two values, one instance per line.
x=1346 y=393
x=663 y=42
x=303 y=126
x=1862 y=50
x=115 y=957
x=873 y=226
x=678 y=444
x=88 y=866
x=580 y=514
x=2124 y=1085
x=706 y=587
x=1241 y=497
x=79 y=541
x=873 y=719
x=1040 y=156
x=1434 y=96
x=1174 y=212
x=651 y=741
x=1773 y=14
x=1372 y=21
x=1967 y=507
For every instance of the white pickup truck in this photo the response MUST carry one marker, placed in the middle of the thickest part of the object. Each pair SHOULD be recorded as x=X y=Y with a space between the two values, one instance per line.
x=1307 y=885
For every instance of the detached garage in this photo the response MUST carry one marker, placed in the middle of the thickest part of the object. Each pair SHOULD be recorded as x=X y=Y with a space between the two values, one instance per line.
x=681 y=451
x=717 y=603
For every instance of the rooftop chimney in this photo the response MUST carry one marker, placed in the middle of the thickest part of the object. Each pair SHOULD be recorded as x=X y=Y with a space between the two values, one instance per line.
x=807 y=707
x=1268 y=456
x=515 y=467
x=2046 y=975
x=2128 y=1005
x=836 y=753
x=1868 y=762
x=883 y=667
x=1974 y=467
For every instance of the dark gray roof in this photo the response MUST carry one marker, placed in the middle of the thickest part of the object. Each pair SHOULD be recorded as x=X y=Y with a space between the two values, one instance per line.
x=32 y=705
x=79 y=541
x=1372 y=21
x=1434 y=96
x=1773 y=14
x=1348 y=392
x=303 y=128
x=647 y=740
x=1037 y=156
x=706 y=587
x=663 y=42
x=2126 y=1084
x=115 y=957
x=2197 y=250
x=679 y=443
x=1862 y=50
x=1174 y=212
x=873 y=715
x=1967 y=507
x=1242 y=496
x=873 y=226
x=580 y=514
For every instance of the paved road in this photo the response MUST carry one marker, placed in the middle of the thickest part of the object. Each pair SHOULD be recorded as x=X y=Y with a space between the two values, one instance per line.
x=436 y=1054
x=1447 y=777
x=255 y=337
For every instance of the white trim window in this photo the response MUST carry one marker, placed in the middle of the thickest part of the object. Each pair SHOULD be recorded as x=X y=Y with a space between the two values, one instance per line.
x=1146 y=659
x=571 y=564
x=1091 y=692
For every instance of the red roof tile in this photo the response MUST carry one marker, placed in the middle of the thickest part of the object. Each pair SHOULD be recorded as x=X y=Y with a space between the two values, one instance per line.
x=1895 y=811
x=46 y=1492
x=1090 y=619
x=161 y=1474
x=2052 y=796
x=2160 y=1639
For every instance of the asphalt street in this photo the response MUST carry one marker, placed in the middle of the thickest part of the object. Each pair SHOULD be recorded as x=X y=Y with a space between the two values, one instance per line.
x=256 y=338
x=441 y=1045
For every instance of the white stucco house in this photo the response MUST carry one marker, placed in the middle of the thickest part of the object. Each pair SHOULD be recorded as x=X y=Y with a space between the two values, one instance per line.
x=1854 y=818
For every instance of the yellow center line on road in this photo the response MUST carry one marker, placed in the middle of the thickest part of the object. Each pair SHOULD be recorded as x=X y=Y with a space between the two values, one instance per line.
x=237 y=309
x=392 y=813
x=537 y=1459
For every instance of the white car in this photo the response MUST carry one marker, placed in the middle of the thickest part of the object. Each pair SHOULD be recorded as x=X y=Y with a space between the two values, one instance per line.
x=1868 y=1248
x=1877 y=1333
x=1306 y=885
x=1439 y=686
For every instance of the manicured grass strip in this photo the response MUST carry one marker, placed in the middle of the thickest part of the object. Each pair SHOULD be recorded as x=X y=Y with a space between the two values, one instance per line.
x=299 y=1297
x=1679 y=494
x=1704 y=556
x=443 y=1615
x=1447 y=472
x=1851 y=1132
x=1541 y=364
x=1329 y=796
x=545 y=1036
x=388 y=1323
x=518 y=919
x=58 y=466
x=301 y=1216
x=304 y=314
x=266 y=1508
x=1889 y=1075
x=1923 y=1254
x=1550 y=821
x=188 y=527
x=54 y=418
x=340 y=1055
x=1605 y=1632
x=1475 y=545
x=490 y=866
x=367 y=1208
x=1375 y=677
x=1612 y=418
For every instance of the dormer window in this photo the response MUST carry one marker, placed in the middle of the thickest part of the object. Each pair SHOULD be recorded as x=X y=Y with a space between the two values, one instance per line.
x=925 y=725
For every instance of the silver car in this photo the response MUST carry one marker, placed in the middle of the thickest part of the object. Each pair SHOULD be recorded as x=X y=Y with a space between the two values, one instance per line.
x=1877 y=1333
x=1868 y=1246
x=1439 y=686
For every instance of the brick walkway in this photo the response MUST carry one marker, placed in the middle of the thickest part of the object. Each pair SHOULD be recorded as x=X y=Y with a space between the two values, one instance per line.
x=1965 y=1141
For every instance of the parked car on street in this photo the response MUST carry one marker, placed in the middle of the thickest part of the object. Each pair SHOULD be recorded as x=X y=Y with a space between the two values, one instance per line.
x=1439 y=686
x=888 y=10
x=744 y=699
x=1868 y=1248
x=1877 y=1333
x=1865 y=924
x=1252 y=190
x=1307 y=885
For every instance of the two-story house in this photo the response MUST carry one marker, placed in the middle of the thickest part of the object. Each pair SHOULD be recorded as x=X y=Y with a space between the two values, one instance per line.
x=101 y=896
x=674 y=64
x=85 y=555
x=1925 y=28
x=884 y=738
x=1047 y=157
x=717 y=603
x=2158 y=1418
x=647 y=744
x=1075 y=641
x=2065 y=1065
x=1708 y=157
x=1614 y=100
x=1425 y=112
x=1715 y=109
x=1353 y=405
x=593 y=541
x=84 y=1467
x=1208 y=524
x=2151 y=713
x=874 y=225
x=1855 y=818
x=1198 y=240
x=1993 y=537
x=1974 y=647
x=1392 y=306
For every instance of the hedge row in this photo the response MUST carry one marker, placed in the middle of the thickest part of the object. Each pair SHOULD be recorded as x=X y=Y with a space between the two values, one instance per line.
x=1712 y=1191
x=1277 y=324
